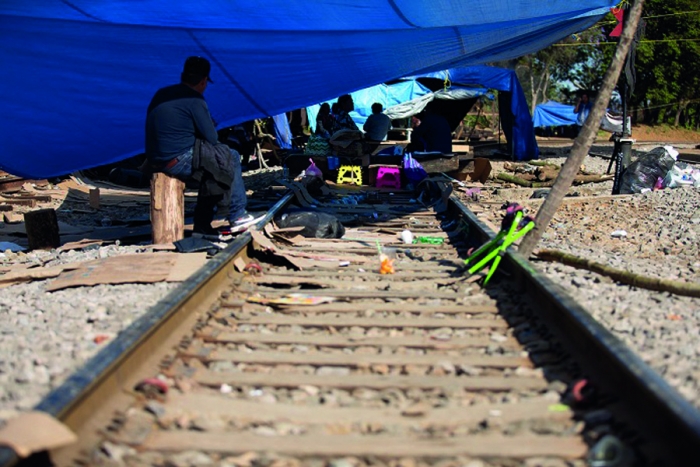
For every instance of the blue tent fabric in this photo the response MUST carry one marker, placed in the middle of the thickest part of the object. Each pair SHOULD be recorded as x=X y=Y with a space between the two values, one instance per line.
x=553 y=114
x=283 y=133
x=388 y=95
x=514 y=111
x=77 y=76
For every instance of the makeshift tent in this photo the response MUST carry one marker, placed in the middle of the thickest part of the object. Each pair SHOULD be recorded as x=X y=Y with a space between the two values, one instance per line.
x=449 y=87
x=389 y=95
x=78 y=76
x=283 y=133
x=405 y=98
x=553 y=113
x=513 y=109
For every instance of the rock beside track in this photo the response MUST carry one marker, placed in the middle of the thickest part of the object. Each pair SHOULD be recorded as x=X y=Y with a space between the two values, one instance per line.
x=46 y=336
x=655 y=234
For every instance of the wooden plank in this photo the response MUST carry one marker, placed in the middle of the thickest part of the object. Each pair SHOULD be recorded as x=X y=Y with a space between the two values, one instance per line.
x=258 y=412
x=380 y=282
x=499 y=446
x=435 y=249
x=19 y=202
x=346 y=273
x=15 y=183
x=357 y=359
x=380 y=307
x=379 y=322
x=419 y=342
x=352 y=294
x=354 y=381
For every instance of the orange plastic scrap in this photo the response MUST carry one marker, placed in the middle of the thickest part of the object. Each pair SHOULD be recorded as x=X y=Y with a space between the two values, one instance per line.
x=387 y=265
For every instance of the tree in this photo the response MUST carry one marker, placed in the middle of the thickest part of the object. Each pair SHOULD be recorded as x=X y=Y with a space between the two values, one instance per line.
x=667 y=63
x=667 y=85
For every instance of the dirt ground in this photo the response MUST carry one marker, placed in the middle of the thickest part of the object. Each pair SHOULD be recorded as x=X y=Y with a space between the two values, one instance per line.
x=664 y=133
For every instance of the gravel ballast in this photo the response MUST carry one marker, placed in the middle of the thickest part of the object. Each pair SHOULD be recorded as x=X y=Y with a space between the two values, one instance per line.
x=46 y=336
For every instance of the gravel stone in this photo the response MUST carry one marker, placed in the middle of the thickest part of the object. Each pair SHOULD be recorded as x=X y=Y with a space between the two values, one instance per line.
x=661 y=242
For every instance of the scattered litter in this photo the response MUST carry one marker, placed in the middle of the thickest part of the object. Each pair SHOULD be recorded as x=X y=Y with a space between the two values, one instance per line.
x=558 y=408
x=407 y=237
x=195 y=244
x=100 y=338
x=430 y=240
x=618 y=234
x=386 y=259
x=642 y=174
x=129 y=269
x=35 y=431
x=292 y=299
x=152 y=387
x=225 y=389
x=316 y=224
x=440 y=337
x=13 y=247
x=498 y=337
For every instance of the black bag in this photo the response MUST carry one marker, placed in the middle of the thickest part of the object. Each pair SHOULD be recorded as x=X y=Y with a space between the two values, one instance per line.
x=316 y=224
x=645 y=171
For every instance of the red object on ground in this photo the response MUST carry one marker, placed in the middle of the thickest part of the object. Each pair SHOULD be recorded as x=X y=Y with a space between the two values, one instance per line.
x=577 y=390
x=152 y=383
x=100 y=338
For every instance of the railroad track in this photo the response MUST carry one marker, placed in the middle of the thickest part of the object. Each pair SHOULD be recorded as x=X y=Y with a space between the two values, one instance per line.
x=332 y=363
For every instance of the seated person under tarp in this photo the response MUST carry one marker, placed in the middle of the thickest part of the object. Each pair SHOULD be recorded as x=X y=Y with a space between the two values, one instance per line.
x=432 y=134
x=343 y=120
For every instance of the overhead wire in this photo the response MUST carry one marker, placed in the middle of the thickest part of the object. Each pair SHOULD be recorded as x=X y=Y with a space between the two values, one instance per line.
x=643 y=41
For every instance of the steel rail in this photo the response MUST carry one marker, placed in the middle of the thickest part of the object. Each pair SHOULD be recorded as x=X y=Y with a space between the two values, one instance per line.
x=643 y=400
x=649 y=405
x=92 y=394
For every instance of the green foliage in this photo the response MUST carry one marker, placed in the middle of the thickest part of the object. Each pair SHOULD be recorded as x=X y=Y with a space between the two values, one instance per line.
x=667 y=70
x=482 y=120
x=667 y=64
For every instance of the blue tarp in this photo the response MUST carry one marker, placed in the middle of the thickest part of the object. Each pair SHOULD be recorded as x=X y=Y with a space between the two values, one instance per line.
x=553 y=114
x=513 y=109
x=78 y=76
x=388 y=95
x=283 y=133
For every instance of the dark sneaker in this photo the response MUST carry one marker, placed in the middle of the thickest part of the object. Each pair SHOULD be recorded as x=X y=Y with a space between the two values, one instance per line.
x=221 y=234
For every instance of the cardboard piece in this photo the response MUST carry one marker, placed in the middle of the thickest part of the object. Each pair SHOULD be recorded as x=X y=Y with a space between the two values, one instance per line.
x=79 y=245
x=185 y=265
x=13 y=217
x=482 y=170
x=261 y=242
x=32 y=432
x=23 y=274
x=129 y=269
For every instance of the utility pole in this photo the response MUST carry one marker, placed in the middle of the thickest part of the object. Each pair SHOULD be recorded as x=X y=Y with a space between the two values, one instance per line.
x=583 y=142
